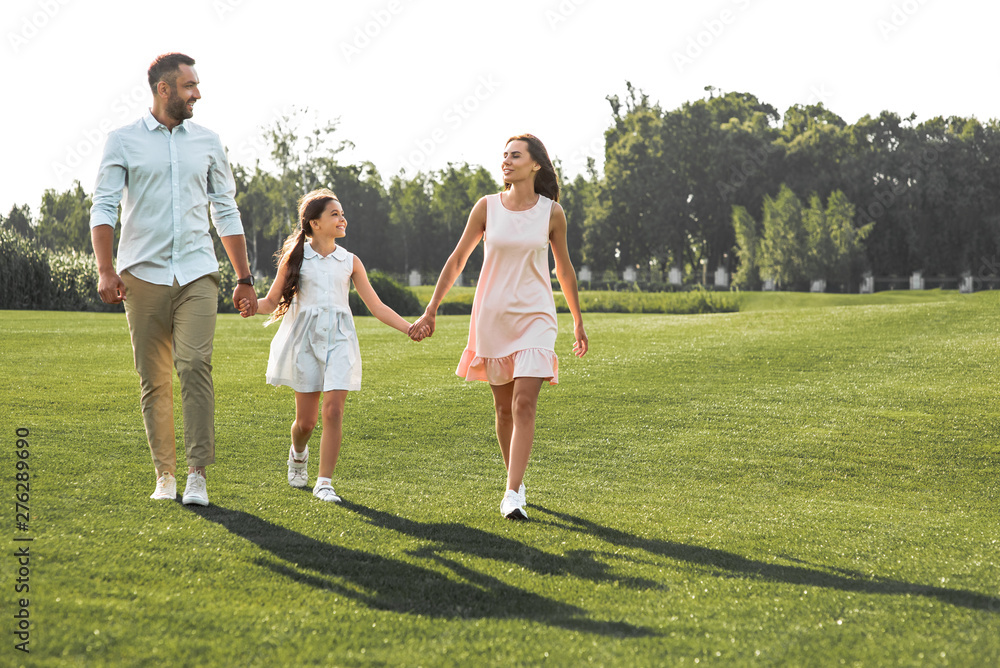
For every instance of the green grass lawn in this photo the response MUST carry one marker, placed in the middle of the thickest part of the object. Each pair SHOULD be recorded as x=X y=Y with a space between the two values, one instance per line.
x=808 y=482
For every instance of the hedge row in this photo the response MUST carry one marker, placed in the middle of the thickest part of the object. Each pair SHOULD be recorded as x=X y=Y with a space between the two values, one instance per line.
x=395 y=296
x=691 y=301
x=34 y=278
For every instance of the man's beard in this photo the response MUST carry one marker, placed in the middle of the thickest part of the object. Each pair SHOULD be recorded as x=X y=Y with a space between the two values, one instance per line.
x=177 y=108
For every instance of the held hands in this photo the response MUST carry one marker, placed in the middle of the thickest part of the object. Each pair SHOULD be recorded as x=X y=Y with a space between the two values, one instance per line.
x=422 y=327
x=245 y=300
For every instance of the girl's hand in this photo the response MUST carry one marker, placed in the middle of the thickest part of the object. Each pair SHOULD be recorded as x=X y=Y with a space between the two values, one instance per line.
x=245 y=308
x=581 y=344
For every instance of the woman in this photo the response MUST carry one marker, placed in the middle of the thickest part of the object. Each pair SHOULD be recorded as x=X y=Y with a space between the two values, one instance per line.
x=512 y=333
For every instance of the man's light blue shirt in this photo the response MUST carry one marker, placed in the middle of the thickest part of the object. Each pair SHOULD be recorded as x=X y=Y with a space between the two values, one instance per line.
x=170 y=181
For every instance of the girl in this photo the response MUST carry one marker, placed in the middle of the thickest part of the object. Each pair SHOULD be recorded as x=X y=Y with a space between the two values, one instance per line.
x=512 y=334
x=315 y=350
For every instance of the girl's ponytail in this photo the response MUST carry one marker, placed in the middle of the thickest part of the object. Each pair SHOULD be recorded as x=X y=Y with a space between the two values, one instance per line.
x=291 y=254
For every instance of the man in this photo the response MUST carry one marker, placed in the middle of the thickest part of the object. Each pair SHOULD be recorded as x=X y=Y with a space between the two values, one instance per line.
x=172 y=172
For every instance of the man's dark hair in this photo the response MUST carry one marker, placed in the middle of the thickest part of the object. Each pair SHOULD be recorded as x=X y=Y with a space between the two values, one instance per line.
x=166 y=67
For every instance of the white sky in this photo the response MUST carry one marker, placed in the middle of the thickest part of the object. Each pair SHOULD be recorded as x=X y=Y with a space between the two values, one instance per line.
x=420 y=83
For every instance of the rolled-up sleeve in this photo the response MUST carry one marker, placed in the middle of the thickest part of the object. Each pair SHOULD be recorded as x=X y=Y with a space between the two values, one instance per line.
x=222 y=194
x=110 y=184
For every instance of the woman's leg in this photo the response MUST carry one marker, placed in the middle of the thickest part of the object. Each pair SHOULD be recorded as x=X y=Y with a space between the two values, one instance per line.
x=502 y=400
x=523 y=408
x=333 y=431
x=306 y=414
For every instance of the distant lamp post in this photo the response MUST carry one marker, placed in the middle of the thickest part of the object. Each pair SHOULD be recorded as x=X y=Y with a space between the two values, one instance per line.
x=704 y=272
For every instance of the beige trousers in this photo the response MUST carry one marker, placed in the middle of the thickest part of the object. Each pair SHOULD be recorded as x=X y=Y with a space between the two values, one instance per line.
x=173 y=326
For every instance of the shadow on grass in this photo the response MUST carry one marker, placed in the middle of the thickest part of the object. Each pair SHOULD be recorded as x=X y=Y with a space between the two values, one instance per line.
x=454 y=537
x=397 y=586
x=848 y=580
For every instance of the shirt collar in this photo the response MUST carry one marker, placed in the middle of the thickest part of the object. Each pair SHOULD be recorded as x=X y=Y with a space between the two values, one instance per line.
x=309 y=252
x=152 y=123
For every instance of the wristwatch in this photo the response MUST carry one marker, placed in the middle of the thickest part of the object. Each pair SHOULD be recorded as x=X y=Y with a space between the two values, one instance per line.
x=246 y=281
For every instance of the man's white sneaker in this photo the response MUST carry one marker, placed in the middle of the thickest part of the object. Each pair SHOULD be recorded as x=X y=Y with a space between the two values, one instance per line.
x=298 y=472
x=166 y=487
x=326 y=493
x=512 y=507
x=195 y=491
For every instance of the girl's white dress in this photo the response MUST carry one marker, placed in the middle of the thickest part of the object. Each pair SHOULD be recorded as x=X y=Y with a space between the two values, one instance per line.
x=316 y=346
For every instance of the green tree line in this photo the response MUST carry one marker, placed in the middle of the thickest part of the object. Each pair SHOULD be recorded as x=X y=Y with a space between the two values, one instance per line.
x=722 y=181
x=711 y=181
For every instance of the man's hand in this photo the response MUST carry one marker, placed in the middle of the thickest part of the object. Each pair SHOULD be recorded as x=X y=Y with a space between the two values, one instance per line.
x=110 y=288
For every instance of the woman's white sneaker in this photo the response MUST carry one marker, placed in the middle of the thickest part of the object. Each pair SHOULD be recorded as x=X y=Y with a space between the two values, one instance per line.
x=512 y=506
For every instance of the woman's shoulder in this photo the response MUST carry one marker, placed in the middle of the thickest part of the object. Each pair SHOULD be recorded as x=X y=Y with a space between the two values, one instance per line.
x=482 y=207
x=554 y=208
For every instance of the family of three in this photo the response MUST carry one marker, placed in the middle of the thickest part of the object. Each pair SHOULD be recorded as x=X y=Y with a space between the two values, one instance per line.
x=169 y=173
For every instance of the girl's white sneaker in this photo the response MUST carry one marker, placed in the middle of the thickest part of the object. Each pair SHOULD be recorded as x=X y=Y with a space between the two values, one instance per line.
x=326 y=493
x=298 y=471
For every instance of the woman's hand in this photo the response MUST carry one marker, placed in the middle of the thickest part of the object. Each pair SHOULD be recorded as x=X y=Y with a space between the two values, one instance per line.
x=581 y=344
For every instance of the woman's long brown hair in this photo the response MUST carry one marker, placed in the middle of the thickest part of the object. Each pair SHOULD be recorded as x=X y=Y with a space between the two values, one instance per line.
x=546 y=181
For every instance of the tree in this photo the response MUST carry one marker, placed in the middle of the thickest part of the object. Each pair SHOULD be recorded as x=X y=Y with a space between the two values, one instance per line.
x=360 y=191
x=848 y=240
x=576 y=197
x=64 y=219
x=19 y=221
x=410 y=219
x=263 y=211
x=821 y=252
x=672 y=178
x=747 y=245
x=799 y=244
x=784 y=244
x=456 y=189
x=625 y=223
